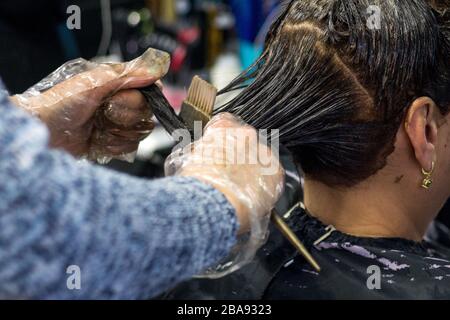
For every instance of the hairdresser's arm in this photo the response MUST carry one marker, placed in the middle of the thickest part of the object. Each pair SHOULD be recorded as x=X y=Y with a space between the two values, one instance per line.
x=131 y=238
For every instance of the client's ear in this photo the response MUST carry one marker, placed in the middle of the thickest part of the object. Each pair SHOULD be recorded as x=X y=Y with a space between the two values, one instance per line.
x=422 y=123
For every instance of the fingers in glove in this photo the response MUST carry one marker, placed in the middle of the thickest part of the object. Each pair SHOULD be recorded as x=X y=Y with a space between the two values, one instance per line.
x=113 y=151
x=117 y=136
x=128 y=108
x=137 y=133
x=225 y=120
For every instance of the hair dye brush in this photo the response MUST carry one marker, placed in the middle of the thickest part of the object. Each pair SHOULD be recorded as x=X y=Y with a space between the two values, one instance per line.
x=199 y=106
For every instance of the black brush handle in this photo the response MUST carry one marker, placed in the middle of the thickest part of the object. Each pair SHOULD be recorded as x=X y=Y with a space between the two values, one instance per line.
x=163 y=110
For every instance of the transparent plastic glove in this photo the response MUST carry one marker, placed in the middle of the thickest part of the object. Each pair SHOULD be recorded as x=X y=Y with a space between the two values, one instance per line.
x=93 y=110
x=229 y=157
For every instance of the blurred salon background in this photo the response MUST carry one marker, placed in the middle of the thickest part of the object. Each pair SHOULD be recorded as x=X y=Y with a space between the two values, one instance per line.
x=215 y=39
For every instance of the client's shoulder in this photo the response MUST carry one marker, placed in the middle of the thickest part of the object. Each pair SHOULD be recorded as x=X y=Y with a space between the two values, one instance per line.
x=361 y=268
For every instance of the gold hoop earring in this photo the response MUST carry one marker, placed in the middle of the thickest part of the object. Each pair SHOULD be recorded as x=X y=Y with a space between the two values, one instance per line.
x=427 y=180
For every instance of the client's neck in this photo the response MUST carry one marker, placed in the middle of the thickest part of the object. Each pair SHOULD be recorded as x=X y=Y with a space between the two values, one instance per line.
x=371 y=209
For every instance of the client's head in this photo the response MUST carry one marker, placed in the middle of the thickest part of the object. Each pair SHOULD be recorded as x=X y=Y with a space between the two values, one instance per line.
x=340 y=78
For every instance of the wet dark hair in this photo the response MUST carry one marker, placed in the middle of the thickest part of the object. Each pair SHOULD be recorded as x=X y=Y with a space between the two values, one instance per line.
x=338 y=90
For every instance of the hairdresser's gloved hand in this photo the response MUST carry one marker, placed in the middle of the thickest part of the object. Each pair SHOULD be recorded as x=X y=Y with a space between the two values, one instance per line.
x=231 y=158
x=94 y=110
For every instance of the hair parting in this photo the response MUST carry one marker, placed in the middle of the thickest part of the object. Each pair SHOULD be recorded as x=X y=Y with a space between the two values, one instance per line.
x=338 y=90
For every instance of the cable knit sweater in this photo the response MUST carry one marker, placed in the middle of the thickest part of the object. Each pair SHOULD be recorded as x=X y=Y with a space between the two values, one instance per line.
x=71 y=230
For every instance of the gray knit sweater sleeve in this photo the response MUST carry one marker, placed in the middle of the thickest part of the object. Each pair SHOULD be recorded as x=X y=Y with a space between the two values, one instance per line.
x=70 y=230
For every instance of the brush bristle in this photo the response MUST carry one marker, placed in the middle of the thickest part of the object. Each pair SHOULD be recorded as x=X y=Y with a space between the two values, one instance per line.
x=202 y=95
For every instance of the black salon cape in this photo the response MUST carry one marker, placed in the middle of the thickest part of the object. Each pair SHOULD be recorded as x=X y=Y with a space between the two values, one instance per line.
x=407 y=270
